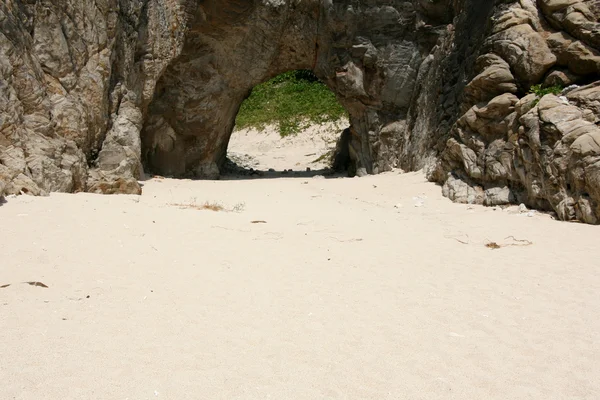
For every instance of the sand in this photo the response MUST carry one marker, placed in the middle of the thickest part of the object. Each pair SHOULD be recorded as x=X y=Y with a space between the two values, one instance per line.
x=364 y=288
x=265 y=149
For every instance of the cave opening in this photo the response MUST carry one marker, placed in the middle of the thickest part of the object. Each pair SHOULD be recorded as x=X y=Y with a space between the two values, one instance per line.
x=291 y=125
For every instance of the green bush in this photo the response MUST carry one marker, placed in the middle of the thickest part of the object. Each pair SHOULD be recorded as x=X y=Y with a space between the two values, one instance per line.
x=291 y=101
x=540 y=92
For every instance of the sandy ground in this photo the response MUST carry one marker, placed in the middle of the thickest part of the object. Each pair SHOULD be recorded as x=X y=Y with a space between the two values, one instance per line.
x=364 y=288
x=265 y=149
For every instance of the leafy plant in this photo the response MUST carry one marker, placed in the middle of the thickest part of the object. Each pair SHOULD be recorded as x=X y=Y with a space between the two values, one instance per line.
x=540 y=91
x=291 y=101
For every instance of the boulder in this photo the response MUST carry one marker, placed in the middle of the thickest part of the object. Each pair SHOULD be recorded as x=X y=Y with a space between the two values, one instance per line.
x=494 y=79
x=525 y=50
x=561 y=78
x=460 y=191
x=574 y=54
x=497 y=196
x=579 y=18
x=587 y=97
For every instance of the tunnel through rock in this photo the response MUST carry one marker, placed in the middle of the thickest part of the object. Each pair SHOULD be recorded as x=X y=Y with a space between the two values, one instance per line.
x=231 y=47
x=288 y=126
x=370 y=64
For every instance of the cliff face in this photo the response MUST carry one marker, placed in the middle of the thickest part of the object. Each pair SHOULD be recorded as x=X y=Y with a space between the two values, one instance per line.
x=508 y=145
x=93 y=92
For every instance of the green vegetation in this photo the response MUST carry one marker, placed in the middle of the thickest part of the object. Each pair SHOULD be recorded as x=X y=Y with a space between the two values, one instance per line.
x=291 y=101
x=540 y=92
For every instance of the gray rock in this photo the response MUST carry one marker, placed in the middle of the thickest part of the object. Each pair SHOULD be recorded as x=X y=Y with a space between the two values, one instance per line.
x=544 y=149
x=361 y=172
x=574 y=54
x=494 y=79
x=525 y=50
x=461 y=192
x=561 y=78
x=587 y=97
x=498 y=196
x=92 y=93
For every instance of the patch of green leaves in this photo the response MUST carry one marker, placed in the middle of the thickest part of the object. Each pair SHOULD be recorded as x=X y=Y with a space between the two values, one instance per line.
x=540 y=91
x=292 y=101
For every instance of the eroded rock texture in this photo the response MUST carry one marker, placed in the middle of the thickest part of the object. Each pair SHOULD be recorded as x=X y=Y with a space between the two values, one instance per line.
x=92 y=92
x=511 y=146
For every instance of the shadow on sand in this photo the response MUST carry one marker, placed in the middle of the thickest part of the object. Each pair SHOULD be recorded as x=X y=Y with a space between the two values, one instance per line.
x=240 y=173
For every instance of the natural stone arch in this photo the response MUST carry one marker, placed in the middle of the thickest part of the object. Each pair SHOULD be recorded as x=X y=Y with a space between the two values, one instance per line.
x=232 y=46
x=90 y=90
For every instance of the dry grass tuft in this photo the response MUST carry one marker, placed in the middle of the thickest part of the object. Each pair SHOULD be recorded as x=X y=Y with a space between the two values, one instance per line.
x=210 y=206
x=205 y=206
x=493 y=245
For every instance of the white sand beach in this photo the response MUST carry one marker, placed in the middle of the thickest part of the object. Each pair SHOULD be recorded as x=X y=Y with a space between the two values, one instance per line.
x=266 y=150
x=299 y=288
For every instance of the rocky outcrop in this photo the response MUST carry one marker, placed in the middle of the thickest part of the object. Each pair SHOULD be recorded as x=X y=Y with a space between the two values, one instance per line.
x=538 y=149
x=368 y=53
x=92 y=93
x=75 y=79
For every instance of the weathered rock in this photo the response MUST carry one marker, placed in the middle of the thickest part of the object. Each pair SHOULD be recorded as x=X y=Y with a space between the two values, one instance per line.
x=542 y=152
x=356 y=51
x=578 y=18
x=23 y=184
x=526 y=52
x=494 y=79
x=497 y=196
x=6 y=176
x=94 y=92
x=461 y=192
x=587 y=97
x=574 y=54
x=490 y=119
x=561 y=78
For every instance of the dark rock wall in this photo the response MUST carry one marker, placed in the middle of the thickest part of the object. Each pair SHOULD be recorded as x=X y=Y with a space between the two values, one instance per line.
x=94 y=91
x=229 y=48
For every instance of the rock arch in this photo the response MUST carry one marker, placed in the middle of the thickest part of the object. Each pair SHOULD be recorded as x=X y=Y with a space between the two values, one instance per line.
x=231 y=46
x=92 y=90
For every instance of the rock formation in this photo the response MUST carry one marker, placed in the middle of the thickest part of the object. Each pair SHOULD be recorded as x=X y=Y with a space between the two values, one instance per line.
x=94 y=92
x=509 y=145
